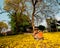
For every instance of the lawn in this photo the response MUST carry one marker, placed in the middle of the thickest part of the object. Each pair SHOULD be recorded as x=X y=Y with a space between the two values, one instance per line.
x=51 y=40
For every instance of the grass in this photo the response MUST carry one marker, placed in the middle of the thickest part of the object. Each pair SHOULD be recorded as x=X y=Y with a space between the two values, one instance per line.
x=51 y=40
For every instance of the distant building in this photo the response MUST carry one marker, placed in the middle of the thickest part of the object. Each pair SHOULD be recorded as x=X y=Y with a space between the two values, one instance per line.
x=53 y=25
x=58 y=25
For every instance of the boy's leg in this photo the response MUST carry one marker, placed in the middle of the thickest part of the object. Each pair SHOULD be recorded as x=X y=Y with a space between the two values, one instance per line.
x=36 y=37
x=41 y=38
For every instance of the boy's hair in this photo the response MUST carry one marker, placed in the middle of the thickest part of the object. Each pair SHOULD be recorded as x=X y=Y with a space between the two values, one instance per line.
x=36 y=29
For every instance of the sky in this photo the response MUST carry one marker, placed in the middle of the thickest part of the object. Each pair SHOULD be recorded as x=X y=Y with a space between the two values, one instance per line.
x=4 y=16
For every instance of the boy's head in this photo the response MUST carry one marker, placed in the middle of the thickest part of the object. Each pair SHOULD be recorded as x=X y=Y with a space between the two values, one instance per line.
x=36 y=29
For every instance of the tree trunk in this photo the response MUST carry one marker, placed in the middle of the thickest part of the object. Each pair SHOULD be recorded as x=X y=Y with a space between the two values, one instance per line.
x=56 y=25
x=33 y=21
x=0 y=29
x=16 y=25
x=33 y=18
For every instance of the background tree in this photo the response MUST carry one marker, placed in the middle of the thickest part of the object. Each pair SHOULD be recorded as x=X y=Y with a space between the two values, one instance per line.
x=22 y=21
x=44 y=8
x=51 y=9
x=16 y=12
x=3 y=26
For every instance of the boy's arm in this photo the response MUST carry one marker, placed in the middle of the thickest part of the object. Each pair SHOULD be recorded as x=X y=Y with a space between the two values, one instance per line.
x=34 y=33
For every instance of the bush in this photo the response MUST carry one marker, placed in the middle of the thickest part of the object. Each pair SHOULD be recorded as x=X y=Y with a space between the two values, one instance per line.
x=41 y=27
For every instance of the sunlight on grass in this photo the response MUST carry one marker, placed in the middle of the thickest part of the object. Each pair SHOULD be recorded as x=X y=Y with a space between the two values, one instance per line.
x=51 y=40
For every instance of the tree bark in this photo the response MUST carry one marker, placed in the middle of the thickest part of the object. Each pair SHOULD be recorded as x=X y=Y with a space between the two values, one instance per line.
x=34 y=2
x=33 y=21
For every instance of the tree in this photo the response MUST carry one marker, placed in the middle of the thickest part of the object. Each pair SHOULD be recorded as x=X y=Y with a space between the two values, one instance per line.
x=53 y=26
x=16 y=12
x=21 y=22
x=50 y=11
x=46 y=8
x=34 y=3
x=34 y=6
x=2 y=26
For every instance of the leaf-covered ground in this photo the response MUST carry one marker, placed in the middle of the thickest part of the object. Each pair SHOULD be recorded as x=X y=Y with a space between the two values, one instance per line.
x=51 y=40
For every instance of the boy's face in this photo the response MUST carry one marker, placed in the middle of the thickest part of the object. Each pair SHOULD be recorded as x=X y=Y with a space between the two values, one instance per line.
x=36 y=30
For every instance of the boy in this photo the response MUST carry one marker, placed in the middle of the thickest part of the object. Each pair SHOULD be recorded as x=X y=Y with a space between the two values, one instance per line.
x=38 y=34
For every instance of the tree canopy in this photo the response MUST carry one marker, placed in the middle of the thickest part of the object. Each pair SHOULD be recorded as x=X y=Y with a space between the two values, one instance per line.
x=2 y=26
